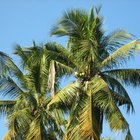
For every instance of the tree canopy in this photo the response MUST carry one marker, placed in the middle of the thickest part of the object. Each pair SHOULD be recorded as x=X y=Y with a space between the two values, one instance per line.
x=40 y=109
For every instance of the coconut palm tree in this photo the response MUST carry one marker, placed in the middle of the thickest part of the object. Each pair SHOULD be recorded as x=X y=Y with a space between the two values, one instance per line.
x=28 y=96
x=98 y=61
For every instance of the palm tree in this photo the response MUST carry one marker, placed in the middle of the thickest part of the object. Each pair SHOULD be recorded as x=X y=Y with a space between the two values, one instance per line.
x=29 y=93
x=98 y=61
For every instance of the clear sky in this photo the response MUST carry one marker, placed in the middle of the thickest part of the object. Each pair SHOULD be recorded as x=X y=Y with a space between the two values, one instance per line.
x=22 y=21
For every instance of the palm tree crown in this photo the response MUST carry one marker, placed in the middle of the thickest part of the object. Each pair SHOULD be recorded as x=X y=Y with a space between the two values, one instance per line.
x=27 y=114
x=98 y=62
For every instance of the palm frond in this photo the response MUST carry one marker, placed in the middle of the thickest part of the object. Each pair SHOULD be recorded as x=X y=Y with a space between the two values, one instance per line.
x=8 y=87
x=121 y=94
x=19 y=51
x=116 y=39
x=6 y=107
x=14 y=70
x=63 y=69
x=105 y=100
x=126 y=76
x=66 y=95
x=72 y=127
x=120 y=56
x=37 y=130
x=3 y=62
x=128 y=136
x=89 y=125
x=19 y=121
x=57 y=52
x=71 y=23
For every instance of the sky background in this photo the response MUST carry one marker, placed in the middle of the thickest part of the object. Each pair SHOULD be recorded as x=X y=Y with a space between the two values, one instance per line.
x=22 y=21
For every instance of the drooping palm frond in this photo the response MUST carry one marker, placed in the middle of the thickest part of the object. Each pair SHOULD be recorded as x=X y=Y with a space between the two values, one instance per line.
x=105 y=100
x=8 y=87
x=121 y=95
x=88 y=124
x=3 y=62
x=126 y=76
x=114 y=116
x=14 y=71
x=18 y=122
x=6 y=106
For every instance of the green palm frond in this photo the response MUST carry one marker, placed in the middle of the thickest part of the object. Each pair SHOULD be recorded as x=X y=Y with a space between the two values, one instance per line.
x=126 y=76
x=106 y=102
x=128 y=136
x=58 y=53
x=33 y=79
x=72 y=127
x=59 y=117
x=3 y=62
x=14 y=70
x=63 y=69
x=19 y=121
x=6 y=107
x=8 y=87
x=121 y=100
x=69 y=23
x=114 y=115
x=37 y=130
x=116 y=39
x=65 y=95
x=120 y=93
x=19 y=51
x=120 y=56
x=111 y=111
x=89 y=125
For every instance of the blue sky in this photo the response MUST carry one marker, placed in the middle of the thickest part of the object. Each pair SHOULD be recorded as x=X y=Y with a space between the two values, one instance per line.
x=22 y=21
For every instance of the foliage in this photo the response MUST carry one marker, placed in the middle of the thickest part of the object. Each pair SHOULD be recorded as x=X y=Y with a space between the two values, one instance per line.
x=99 y=65
x=27 y=114
x=39 y=108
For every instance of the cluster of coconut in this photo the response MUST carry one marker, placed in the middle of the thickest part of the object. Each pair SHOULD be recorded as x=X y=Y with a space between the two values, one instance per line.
x=79 y=74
